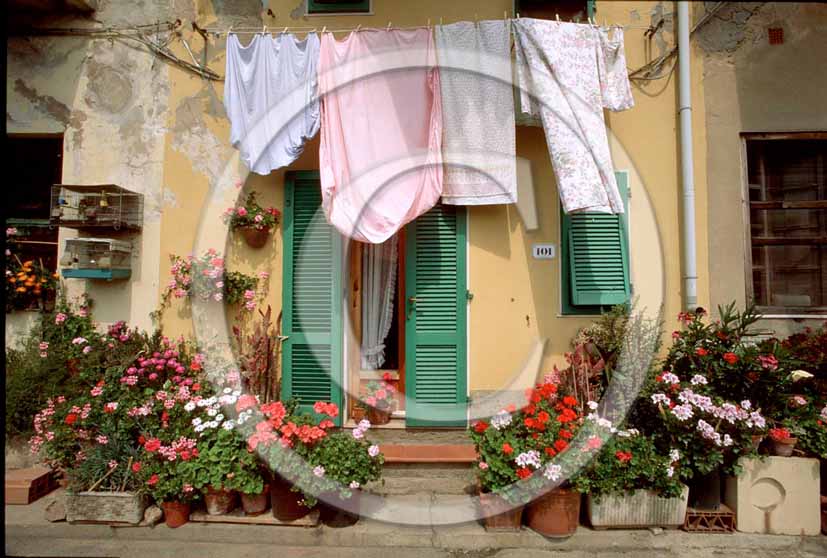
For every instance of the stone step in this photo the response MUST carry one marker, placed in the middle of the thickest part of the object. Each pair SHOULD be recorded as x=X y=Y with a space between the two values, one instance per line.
x=416 y=436
x=430 y=478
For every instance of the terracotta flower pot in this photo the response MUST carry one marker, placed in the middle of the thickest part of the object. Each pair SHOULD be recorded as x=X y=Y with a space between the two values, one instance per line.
x=498 y=514
x=219 y=501
x=176 y=513
x=287 y=505
x=255 y=238
x=378 y=416
x=358 y=413
x=783 y=448
x=255 y=504
x=337 y=513
x=555 y=514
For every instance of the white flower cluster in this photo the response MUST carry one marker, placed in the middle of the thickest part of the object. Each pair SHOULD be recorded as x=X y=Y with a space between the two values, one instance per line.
x=501 y=420
x=708 y=432
x=531 y=457
x=607 y=424
x=670 y=378
x=229 y=396
x=244 y=416
x=213 y=410
x=553 y=472
x=824 y=413
x=674 y=455
x=363 y=426
x=660 y=398
x=698 y=380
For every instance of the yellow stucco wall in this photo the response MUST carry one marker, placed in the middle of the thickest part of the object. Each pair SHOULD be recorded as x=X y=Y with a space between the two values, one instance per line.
x=516 y=298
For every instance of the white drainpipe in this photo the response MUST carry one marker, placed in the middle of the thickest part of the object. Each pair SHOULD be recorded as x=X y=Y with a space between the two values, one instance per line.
x=690 y=270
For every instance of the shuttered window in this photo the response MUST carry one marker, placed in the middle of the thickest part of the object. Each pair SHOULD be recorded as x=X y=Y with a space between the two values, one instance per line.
x=436 y=300
x=594 y=258
x=312 y=352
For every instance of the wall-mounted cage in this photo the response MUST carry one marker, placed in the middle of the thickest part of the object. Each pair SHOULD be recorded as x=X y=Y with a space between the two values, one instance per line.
x=99 y=207
x=96 y=258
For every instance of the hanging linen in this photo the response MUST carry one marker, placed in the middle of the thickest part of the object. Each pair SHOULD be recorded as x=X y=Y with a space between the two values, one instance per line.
x=380 y=157
x=379 y=264
x=270 y=94
x=564 y=78
x=478 y=137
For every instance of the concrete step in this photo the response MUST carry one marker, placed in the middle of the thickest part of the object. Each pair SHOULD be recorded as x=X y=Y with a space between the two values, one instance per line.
x=425 y=478
x=417 y=436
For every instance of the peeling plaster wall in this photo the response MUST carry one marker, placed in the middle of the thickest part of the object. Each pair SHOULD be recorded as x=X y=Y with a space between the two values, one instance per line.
x=752 y=86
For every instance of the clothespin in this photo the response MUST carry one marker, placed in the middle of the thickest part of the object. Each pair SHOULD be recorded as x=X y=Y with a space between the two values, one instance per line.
x=389 y=26
x=476 y=19
x=264 y=30
x=230 y=31
x=557 y=16
x=358 y=27
x=505 y=14
x=285 y=31
x=429 y=23
x=324 y=28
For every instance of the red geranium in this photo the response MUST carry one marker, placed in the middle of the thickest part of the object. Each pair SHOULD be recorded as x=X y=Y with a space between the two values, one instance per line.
x=623 y=456
x=507 y=449
x=480 y=426
x=560 y=445
x=152 y=445
x=700 y=351
x=569 y=401
x=71 y=418
x=551 y=452
x=523 y=472
x=731 y=358
x=152 y=480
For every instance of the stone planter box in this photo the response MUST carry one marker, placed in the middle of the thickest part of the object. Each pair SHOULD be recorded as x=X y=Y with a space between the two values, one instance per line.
x=638 y=509
x=105 y=507
x=776 y=495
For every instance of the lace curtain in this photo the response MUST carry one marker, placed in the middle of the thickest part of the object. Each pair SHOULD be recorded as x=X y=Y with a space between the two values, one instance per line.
x=378 y=293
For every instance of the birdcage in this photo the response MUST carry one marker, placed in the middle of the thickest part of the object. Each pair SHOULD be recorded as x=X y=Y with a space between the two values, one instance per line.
x=99 y=207
x=96 y=258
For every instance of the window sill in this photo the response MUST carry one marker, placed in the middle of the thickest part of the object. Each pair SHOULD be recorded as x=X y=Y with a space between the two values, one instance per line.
x=818 y=315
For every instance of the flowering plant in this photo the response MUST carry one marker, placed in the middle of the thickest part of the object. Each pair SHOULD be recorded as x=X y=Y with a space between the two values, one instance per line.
x=28 y=284
x=380 y=394
x=302 y=449
x=709 y=431
x=780 y=434
x=251 y=214
x=627 y=461
x=721 y=354
x=207 y=278
x=515 y=444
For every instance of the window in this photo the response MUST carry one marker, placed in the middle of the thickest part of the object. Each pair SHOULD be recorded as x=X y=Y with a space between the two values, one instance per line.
x=594 y=259
x=569 y=10
x=37 y=165
x=788 y=221
x=338 y=7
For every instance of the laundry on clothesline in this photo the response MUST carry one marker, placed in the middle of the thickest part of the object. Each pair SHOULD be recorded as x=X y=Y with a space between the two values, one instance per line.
x=380 y=158
x=270 y=95
x=479 y=134
x=567 y=74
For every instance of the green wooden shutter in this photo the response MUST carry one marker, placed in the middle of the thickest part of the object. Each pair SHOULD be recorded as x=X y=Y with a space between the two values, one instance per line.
x=312 y=313
x=435 y=346
x=595 y=255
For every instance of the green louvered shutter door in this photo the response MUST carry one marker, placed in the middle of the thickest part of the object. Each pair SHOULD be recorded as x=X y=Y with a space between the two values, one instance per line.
x=597 y=249
x=435 y=327
x=312 y=315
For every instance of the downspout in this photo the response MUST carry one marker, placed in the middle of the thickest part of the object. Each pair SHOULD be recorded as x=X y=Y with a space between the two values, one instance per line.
x=690 y=270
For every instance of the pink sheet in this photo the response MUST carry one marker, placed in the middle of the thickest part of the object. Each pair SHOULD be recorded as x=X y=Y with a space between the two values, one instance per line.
x=381 y=131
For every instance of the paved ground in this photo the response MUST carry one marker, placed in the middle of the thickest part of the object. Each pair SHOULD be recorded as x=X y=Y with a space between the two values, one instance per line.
x=28 y=534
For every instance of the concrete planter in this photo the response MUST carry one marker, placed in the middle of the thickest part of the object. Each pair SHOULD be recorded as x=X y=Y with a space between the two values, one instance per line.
x=776 y=495
x=641 y=508
x=105 y=507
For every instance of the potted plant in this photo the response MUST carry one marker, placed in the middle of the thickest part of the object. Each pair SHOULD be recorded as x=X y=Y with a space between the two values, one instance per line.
x=285 y=441
x=347 y=461
x=783 y=442
x=629 y=483
x=379 y=400
x=170 y=484
x=551 y=420
x=218 y=461
x=253 y=221
x=495 y=442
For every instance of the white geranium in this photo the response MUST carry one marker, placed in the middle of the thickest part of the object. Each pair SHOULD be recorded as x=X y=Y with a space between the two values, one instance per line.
x=797 y=375
x=189 y=407
x=501 y=420
x=553 y=472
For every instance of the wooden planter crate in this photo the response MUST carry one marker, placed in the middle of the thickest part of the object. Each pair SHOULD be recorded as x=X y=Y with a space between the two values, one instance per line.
x=105 y=507
x=641 y=508
x=24 y=486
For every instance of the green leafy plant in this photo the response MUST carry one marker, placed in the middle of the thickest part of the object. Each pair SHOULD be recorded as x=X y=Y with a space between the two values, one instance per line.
x=223 y=461
x=629 y=461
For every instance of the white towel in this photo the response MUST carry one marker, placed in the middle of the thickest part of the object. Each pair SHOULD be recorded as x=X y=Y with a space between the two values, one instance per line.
x=270 y=94
x=478 y=141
